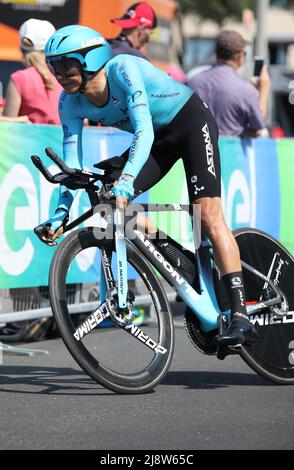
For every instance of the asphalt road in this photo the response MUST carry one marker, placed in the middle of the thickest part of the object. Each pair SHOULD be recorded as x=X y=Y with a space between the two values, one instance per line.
x=47 y=402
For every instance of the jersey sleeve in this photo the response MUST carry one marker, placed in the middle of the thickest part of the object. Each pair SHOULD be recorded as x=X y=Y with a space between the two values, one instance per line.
x=72 y=125
x=129 y=78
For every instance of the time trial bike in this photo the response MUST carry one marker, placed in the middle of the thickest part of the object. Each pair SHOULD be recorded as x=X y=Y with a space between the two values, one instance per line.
x=131 y=358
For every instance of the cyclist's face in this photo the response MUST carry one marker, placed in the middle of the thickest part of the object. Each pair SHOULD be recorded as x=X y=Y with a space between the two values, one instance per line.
x=68 y=74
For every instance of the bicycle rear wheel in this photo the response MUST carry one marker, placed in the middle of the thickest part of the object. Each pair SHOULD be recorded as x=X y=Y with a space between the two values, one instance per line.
x=273 y=357
x=118 y=360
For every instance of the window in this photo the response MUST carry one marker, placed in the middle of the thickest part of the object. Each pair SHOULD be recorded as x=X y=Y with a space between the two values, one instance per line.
x=198 y=51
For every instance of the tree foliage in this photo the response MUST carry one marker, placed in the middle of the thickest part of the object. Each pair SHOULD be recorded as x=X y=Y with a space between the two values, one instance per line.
x=216 y=10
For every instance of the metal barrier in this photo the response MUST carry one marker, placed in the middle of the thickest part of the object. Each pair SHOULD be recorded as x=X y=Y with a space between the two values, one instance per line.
x=32 y=303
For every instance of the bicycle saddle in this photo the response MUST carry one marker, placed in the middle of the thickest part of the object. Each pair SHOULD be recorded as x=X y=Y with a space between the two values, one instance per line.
x=114 y=163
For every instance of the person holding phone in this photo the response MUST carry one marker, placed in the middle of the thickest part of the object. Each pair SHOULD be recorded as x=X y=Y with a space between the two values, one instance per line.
x=261 y=82
x=240 y=107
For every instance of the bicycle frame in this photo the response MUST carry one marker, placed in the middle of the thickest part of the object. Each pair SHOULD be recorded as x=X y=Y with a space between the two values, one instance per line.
x=203 y=304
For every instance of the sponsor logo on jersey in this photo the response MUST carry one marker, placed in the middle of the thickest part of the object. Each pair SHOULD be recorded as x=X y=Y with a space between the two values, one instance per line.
x=125 y=76
x=209 y=150
x=134 y=146
x=135 y=96
x=66 y=132
x=165 y=95
x=194 y=180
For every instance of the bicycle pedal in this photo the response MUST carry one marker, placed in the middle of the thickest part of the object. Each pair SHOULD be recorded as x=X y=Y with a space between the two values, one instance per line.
x=223 y=352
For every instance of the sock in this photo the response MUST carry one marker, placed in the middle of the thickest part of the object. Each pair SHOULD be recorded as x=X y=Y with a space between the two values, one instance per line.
x=235 y=286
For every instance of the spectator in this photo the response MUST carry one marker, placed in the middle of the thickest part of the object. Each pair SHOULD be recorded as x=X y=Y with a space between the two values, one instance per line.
x=240 y=108
x=32 y=96
x=137 y=24
x=176 y=72
x=9 y=119
x=33 y=92
x=23 y=119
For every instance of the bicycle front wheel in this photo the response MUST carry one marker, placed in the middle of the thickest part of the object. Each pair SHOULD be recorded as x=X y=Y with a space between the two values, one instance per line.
x=273 y=357
x=116 y=359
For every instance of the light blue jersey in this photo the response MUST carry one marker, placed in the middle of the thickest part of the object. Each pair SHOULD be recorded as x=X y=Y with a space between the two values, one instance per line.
x=142 y=100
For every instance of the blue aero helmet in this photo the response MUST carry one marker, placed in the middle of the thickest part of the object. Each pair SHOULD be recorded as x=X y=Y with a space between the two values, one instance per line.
x=86 y=45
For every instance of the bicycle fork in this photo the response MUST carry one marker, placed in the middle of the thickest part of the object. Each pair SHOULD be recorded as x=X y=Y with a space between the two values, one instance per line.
x=109 y=301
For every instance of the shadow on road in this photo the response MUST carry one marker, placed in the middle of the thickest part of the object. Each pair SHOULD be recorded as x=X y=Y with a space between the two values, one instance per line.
x=66 y=381
x=48 y=381
x=211 y=380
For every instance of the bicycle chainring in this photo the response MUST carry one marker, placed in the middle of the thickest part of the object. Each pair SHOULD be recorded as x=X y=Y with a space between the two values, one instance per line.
x=203 y=342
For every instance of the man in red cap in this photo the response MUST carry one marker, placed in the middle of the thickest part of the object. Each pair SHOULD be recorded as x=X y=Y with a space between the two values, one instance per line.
x=137 y=24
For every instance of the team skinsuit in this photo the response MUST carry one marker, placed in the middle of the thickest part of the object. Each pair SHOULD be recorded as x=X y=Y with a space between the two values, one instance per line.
x=167 y=120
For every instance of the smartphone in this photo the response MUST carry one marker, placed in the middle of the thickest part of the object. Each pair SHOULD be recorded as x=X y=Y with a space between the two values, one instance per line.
x=258 y=64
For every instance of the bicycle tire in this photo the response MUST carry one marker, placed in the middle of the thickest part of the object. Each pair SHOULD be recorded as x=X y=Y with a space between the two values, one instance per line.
x=141 y=381
x=273 y=357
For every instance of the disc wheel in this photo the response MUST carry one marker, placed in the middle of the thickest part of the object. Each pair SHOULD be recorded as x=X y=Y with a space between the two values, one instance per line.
x=273 y=356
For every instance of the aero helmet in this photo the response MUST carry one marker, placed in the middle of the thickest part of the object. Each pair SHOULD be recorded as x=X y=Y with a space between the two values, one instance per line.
x=86 y=45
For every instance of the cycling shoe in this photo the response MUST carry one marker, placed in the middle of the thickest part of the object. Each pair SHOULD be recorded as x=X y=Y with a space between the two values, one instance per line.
x=240 y=331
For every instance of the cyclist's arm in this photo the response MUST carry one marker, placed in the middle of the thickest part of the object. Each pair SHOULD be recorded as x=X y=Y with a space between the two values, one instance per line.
x=72 y=125
x=129 y=78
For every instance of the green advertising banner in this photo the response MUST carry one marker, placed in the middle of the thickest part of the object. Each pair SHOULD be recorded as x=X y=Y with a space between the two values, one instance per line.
x=27 y=199
x=257 y=191
x=285 y=149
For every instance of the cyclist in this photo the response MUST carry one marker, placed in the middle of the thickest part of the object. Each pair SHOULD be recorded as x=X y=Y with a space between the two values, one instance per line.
x=168 y=121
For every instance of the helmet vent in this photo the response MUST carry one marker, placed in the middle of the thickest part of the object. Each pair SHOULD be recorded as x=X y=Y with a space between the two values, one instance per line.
x=61 y=41
x=51 y=42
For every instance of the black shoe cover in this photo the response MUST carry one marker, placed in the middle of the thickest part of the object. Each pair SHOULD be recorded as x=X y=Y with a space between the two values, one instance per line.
x=240 y=331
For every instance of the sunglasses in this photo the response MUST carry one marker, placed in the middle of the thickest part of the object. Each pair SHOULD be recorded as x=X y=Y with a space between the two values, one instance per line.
x=64 y=67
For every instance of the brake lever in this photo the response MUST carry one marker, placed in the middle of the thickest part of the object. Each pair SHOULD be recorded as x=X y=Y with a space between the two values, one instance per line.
x=108 y=195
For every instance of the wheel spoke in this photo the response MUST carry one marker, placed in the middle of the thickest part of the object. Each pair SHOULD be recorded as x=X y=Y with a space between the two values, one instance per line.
x=145 y=338
x=91 y=322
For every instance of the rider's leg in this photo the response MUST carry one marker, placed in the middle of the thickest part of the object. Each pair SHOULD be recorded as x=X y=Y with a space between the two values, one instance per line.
x=147 y=225
x=227 y=257
x=226 y=251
